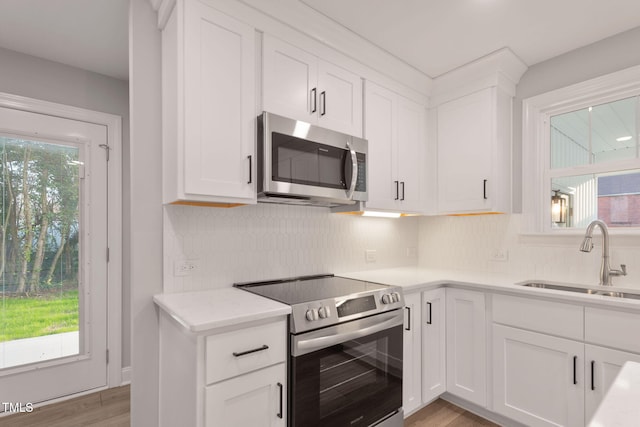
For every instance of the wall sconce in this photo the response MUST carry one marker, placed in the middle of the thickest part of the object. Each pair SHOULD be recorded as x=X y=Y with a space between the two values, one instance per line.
x=558 y=208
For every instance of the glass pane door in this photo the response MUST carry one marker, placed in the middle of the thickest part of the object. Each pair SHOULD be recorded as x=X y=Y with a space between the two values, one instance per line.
x=40 y=256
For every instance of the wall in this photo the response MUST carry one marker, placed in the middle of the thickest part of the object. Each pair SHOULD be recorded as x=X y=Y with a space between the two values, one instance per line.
x=468 y=243
x=274 y=241
x=603 y=57
x=146 y=210
x=38 y=78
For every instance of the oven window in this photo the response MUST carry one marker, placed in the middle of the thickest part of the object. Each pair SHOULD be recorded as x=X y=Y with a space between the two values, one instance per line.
x=300 y=161
x=355 y=383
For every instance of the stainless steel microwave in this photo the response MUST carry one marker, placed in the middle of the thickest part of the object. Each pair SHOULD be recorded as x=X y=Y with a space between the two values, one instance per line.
x=299 y=163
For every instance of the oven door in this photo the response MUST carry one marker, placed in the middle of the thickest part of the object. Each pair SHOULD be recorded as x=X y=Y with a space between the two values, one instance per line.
x=349 y=374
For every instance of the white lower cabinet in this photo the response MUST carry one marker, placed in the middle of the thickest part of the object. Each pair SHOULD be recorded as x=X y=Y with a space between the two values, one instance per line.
x=231 y=377
x=257 y=399
x=434 y=356
x=538 y=379
x=602 y=366
x=412 y=359
x=466 y=345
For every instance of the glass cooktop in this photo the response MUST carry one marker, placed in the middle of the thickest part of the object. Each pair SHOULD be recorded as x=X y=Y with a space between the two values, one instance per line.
x=307 y=289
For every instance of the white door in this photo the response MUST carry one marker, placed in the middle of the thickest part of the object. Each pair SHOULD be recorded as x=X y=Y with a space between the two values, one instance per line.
x=339 y=99
x=290 y=81
x=381 y=109
x=54 y=257
x=411 y=145
x=538 y=379
x=434 y=362
x=466 y=133
x=602 y=367
x=412 y=360
x=257 y=399
x=466 y=345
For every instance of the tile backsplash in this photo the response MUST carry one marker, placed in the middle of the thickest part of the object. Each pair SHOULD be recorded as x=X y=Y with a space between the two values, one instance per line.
x=481 y=243
x=268 y=241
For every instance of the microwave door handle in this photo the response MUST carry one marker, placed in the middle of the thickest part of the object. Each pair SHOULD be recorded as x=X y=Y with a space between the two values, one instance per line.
x=354 y=170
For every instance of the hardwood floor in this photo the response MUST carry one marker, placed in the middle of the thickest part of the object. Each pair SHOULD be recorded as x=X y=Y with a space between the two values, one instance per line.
x=106 y=408
x=110 y=408
x=444 y=414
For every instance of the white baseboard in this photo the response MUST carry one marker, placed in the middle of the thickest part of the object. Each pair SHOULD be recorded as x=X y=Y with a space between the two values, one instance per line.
x=126 y=375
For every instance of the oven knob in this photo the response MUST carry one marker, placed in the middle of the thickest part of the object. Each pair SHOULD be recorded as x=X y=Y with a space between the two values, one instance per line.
x=324 y=312
x=312 y=314
x=395 y=297
x=387 y=299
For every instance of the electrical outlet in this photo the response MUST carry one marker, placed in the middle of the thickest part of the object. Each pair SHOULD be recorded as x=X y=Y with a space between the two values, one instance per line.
x=500 y=255
x=185 y=267
x=370 y=255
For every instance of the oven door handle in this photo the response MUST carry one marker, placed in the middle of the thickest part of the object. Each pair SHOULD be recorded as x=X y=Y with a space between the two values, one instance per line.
x=322 y=339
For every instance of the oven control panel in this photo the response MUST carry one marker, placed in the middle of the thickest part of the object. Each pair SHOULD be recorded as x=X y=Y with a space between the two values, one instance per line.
x=318 y=314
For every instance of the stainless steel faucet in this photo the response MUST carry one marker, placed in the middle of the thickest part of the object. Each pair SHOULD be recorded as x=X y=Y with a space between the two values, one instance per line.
x=605 y=269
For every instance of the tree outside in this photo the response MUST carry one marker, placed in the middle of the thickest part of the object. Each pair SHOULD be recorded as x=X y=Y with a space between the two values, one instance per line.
x=39 y=257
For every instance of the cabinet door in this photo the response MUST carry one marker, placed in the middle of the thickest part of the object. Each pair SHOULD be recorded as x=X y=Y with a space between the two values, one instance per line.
x=257 y=399
x=339 y=99
x=411 y=148
x=219 y=103
x=466 y=129
x=602 y=367
x=411 y=370
x=434 y=362
x=538 y=379
x=381 y=109
x=290 y=78
x=466 y=345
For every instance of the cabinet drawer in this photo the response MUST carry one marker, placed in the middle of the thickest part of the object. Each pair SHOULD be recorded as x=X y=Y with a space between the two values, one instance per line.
x=254 y=348
x=564 y=320
x=617 y=329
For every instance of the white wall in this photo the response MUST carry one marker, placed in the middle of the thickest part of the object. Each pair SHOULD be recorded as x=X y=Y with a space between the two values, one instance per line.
x=275 y=241
x=38 y=78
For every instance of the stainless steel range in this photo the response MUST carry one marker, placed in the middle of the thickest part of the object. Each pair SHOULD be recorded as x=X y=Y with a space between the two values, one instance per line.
x=345 y=366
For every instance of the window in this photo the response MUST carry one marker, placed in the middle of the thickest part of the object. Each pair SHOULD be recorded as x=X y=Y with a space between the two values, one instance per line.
x=581 y=156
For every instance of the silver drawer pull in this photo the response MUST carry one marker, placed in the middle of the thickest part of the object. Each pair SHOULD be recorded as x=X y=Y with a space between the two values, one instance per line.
x=255 y=350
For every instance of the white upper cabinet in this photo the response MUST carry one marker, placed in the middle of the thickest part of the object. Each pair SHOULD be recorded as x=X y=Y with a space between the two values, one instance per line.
x=395 y=129
x=209 y=102
x=301 y=86
x=474 y=153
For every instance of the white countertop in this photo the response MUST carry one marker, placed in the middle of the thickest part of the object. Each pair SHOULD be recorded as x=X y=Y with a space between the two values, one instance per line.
x=416 y=279
x=204 y=310
x=620 y=406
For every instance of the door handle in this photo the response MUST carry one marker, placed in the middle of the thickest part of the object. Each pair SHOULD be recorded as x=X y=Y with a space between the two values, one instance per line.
x=430 y=309
x=484 y=189
x=593 y=381
x=279 y=414
x=323 y=103
x=250 y=168
x=575 y=361
x=408 y=328
x=397 y=190
x=402 y=198
x=315 y=101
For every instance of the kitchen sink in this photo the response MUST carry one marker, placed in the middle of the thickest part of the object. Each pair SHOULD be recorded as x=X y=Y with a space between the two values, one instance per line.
x=570 y=288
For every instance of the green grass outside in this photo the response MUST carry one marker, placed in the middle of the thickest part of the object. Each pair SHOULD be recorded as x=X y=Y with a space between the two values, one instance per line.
x=26 y=317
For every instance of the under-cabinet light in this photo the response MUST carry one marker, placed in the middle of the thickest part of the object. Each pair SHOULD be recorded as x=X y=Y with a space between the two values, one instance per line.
x=381 y=214
x=624 y=138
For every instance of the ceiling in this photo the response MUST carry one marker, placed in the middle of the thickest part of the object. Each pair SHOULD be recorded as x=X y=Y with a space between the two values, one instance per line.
x=436 y=36
x=433 y=36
